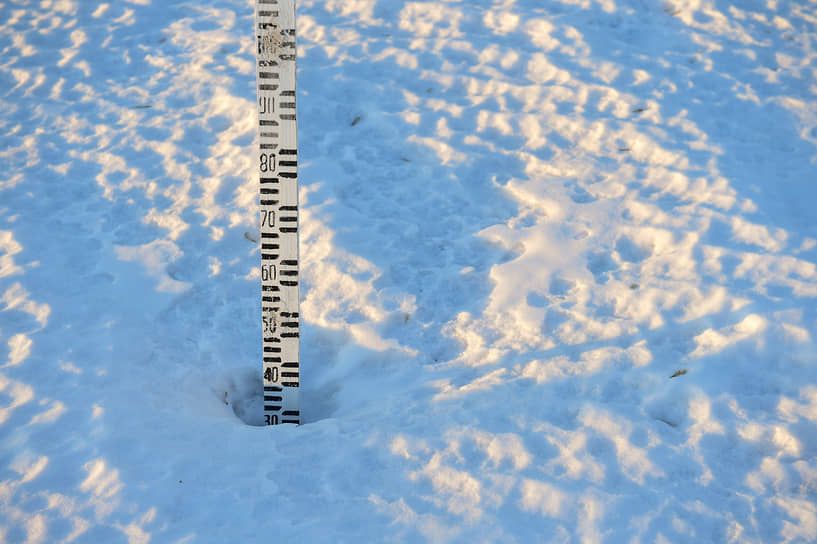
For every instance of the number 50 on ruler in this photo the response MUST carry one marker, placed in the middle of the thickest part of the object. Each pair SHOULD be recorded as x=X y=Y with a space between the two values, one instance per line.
x=278 y=176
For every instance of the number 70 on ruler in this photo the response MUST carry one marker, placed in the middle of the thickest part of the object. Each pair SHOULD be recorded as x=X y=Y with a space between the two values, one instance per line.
x=278 y=192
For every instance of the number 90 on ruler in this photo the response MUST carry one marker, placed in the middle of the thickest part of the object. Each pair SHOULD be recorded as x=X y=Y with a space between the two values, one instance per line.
x=278 y=177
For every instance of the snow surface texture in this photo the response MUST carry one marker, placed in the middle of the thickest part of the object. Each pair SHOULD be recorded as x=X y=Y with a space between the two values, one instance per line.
x=519 y=219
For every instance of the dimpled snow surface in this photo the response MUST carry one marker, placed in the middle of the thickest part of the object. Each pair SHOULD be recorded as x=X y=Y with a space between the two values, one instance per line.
x=556 y=269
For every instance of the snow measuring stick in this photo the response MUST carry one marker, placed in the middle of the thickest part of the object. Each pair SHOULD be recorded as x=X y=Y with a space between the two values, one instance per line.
x=278 y=176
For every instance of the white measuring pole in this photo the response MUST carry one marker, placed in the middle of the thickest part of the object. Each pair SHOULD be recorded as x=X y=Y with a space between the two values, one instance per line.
x=278 y=175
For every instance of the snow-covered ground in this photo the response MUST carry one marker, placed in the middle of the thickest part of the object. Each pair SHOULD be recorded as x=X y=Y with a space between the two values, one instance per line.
x=519 y=220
